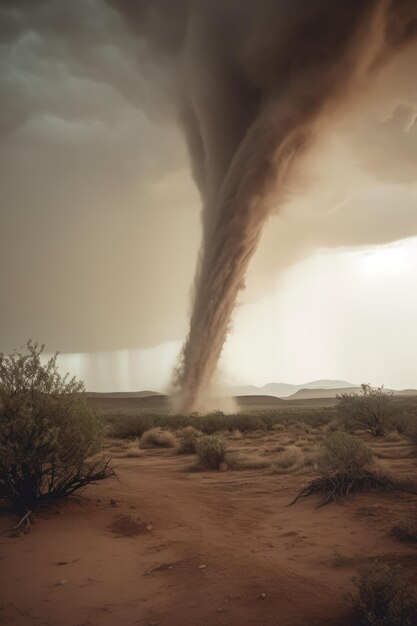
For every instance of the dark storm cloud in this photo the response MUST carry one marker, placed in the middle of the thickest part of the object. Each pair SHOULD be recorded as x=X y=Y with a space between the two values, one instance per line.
x=91 y=170
x=256 y=79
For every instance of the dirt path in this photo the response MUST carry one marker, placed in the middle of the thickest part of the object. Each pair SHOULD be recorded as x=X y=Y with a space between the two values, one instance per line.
x=163 y=546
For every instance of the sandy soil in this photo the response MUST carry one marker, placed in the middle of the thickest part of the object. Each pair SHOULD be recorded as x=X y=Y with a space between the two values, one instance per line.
x=163 y=546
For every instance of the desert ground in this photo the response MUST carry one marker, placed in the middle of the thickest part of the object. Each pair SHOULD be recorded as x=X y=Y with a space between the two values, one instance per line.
x=163 y=543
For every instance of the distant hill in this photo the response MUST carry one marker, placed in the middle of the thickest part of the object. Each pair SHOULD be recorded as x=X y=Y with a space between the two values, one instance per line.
x=284 y=390
x=264 y=401
x=310 y=394
x=121 y=394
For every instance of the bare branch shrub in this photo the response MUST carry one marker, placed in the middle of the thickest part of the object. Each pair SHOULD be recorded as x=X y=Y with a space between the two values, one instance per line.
x=345 y=467
x=372 y=410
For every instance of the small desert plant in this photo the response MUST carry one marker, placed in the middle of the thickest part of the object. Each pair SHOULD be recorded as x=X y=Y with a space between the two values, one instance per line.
x=291 y=460
x=343 y=453
x=405 y=531
x=157 y=438
x=211 y=451
x=187 y=440
x=345 y=468
x=48 y=434
x=385 y=597
x=372 y=411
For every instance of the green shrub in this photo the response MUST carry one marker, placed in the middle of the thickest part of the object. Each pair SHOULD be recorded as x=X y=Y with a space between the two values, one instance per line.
x=344 y=467
x=372 y=411
x=385 y=597
x=211 y=451
x=343 y=453
x=157 y=438
x=47 y=432
x=187 y=440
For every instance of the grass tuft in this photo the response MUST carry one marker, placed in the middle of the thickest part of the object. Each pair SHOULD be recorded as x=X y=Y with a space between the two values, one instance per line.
x=291 y=460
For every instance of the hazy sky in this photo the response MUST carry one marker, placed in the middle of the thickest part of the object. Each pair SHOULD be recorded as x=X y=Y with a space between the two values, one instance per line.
x=100 y=219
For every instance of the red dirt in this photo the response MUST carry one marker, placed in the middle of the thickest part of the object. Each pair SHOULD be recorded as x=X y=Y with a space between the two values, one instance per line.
x=165 y=547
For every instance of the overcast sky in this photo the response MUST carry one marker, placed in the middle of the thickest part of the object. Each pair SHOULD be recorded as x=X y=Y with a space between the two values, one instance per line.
x=100 y=219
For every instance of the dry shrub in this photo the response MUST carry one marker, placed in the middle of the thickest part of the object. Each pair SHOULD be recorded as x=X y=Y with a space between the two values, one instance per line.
x=343 y=453
x=211 y=451
x=405 y=530
x=385 y=597
x=157 y=438
x=132 y=452
x=279 y=427
x=289 y=461
x=187 y=440
x=344 y=465
x=373 y=410
x=238 y=462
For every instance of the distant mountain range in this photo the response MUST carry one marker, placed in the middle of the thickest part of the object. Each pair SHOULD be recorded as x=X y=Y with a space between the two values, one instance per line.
x=315 y=389
x=285 y=390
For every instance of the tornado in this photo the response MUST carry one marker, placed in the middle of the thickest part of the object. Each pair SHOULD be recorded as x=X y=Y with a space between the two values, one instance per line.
x=255 y=81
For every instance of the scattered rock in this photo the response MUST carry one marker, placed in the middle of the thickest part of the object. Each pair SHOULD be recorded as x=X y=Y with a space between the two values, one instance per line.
x=62 y=563
x=160 y=568
x=201 y=567
x=61 y=582
x=114 y=503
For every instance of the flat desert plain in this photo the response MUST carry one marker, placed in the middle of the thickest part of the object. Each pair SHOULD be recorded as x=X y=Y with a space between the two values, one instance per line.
x=165 y=544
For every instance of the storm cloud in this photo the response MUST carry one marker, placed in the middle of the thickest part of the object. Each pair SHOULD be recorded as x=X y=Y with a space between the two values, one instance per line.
x=100 y=225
